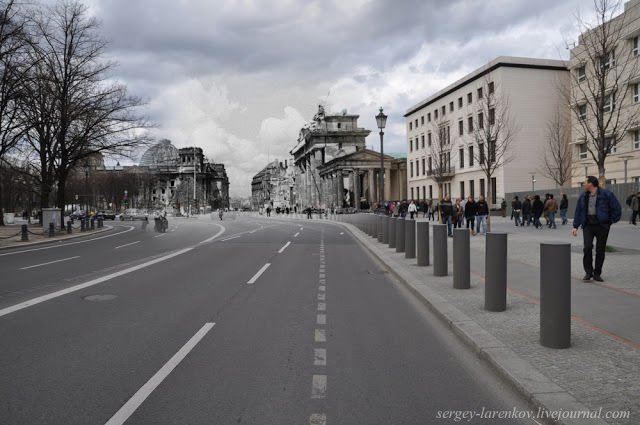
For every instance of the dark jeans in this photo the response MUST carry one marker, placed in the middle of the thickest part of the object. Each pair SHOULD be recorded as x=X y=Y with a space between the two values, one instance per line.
x=600 y=233
x=471 y=222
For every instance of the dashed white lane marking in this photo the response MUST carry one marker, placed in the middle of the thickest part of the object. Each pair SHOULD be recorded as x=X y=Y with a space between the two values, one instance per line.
x=257 y=275
x=321 y=319
x=322 y=306
x=318 y=419
x=296 y=235
x=49 y=262
x=127 y=244
x=320 y=357
x=319 y=386
x=143 y=393
x=284 y=247
x=322 y=297
x=228 y=239
x=321 y=335
x=322 y=288
x=160 y=235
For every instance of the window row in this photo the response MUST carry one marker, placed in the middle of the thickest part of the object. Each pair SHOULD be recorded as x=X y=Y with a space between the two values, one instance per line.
x=420 y=192
x=442 y=111
x=445 y=160
x=583 y=152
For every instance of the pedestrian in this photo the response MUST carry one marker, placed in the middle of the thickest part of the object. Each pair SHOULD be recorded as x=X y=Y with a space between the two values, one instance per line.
x=517 y=208
x=446 y=213
x=396 y=209
x=470 y=211
x=412 y=209
x=628 y=202
x=537 y=208
x=564 y=206
x=424 y=206
x=551 y=208
x=458 y=214
x=432 y=210
x=482 y=211
x=503 y=207
x=635 y=207
x=596 y=210
x=309 y=211
x=526 y=210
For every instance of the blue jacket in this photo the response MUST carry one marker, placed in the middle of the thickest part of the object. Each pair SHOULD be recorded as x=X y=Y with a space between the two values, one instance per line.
x=608 y=208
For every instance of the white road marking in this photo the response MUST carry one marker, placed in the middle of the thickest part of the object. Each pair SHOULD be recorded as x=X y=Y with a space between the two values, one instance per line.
x=322 y=306
x=228 y=239
x=160 y=235
x=296 y=235
x=322 y=297
x=320 y=357
x=50 y=262
x=322 y=288
x=284 y=247
x=257 y=275
x=143 y=393
x=127 y=244
x=66 y=244
x=321 y=319
x=319 y=386
x=321 y=335
x=318 y=419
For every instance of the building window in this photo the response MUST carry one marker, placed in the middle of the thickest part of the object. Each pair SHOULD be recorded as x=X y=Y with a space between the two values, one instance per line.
x=459 y=102
x=470 y=125
x=435 y=114
x=608 y=60
x=481 y=152
x=429 y=139
x=582 y=154
x=410 y=125
x=411 y=168
x=491 y=87
x=424 y=171
x=492 y=116
x=636 y=93
x=444 y=110
x=430 y=165
x=422 y=141
x=480 y=93
x=481 y=120
x=636 y=139
x=612 y=143
x=430 y=191
x=461 y=157
x=635 y=46
x=482 y=192
x=462 y=190
x=460 y=128
x=417 y=168
x=492 y=151
x=494 y=189
x=609 y=102
x=582 y=112
x=429 y=117
x=472 y=188
x=470 y=156
x=424 y=192
x=410 y=145
x=422 y=120
x=416 y=122
x=451 y=106
x=469 y=98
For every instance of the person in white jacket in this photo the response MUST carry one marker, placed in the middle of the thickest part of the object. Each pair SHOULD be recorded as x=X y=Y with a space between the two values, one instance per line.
x=412 y=209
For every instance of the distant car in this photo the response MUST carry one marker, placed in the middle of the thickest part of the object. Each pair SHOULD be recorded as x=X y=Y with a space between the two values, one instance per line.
x=106 y=214
x=134 y=214
x=76 y=215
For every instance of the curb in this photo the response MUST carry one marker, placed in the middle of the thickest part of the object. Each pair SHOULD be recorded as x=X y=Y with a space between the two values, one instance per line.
x=56 y=240
x=536 y=388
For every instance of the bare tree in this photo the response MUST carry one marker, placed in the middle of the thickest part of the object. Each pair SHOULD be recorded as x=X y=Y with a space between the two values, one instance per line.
x=493 y=135
x=557 y=158
x=439 y=160
x=76 y=110
x=13 y=43
x=600 y=90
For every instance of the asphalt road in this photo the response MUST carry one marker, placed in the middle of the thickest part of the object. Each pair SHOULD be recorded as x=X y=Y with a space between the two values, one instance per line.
x=248 y=321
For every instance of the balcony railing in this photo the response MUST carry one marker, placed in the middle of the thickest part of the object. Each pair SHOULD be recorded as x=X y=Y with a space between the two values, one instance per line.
x=442 y=172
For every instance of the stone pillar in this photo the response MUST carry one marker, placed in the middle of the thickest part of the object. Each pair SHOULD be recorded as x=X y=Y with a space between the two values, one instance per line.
x=356 y=188
x=387 y=184
x=372 y=191
x=340 y=188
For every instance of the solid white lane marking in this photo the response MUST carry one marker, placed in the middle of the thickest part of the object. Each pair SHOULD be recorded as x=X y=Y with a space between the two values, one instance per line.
x=127 y=244
x=66 y=244
x=284 y=247
x=322 y=288
x=318 y=419
x=321 y=335
x=143 y=393
x=257 y=275
x=319 y=386
x=322 y=306
x=228 y=239
x=322 y=297
x=50 y=262
x=160 y=235
x=321 y=319
x=296 y=235
x=320 y=357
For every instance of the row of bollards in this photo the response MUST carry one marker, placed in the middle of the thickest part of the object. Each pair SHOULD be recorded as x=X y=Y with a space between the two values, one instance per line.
x=412 y=237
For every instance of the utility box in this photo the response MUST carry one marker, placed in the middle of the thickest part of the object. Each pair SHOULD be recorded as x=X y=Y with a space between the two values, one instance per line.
x=50 y=215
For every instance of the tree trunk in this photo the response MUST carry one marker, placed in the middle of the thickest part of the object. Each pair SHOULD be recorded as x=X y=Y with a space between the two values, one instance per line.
x=60 y=201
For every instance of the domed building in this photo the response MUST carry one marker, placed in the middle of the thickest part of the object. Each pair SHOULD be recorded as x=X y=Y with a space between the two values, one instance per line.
x=161 y=155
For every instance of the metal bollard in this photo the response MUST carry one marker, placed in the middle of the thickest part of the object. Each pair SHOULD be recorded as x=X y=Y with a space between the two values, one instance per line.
x=52 y=230
x=25 y=233
x=400 y=235
x=555 y=295
x=440 y=255
x=69 y=228
x=392 y=232
x=385 y=225
x=495 y=265
x=83 y=225
x=461 y=259
x=422 y=228
x=409 y=238
x=380 y=223
x=93 y=223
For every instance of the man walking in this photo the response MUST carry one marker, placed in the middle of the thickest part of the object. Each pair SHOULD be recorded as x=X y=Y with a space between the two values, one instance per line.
x=482 y=210
x=635 y=208
x=446 y=212
x=596 y=210
x=551 y=208
x=516 y=208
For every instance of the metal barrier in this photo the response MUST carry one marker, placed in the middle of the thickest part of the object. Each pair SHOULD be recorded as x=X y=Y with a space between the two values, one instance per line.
x=422 y=229
x=555 y=295
x=495 y=265
x=440 y=255
x=461 y=259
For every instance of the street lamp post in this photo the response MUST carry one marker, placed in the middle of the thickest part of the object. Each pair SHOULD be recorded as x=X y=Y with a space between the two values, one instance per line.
x=86 y=188
x=533 y=182
x=625 y=159
x=381 y=119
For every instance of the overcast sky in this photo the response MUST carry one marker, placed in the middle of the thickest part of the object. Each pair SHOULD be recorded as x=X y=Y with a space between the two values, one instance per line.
x=239 y=78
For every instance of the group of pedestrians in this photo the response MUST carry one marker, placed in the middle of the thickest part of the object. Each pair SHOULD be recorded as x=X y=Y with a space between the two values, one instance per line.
x=532 y=208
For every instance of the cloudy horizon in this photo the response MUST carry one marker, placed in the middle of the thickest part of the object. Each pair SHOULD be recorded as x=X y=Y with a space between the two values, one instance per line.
x=240 y=78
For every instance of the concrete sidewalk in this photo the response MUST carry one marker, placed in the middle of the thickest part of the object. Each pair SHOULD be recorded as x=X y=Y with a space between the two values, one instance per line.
x=599 y=373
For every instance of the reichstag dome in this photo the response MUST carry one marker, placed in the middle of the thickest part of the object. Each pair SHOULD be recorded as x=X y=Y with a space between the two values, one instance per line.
x=161 y=155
